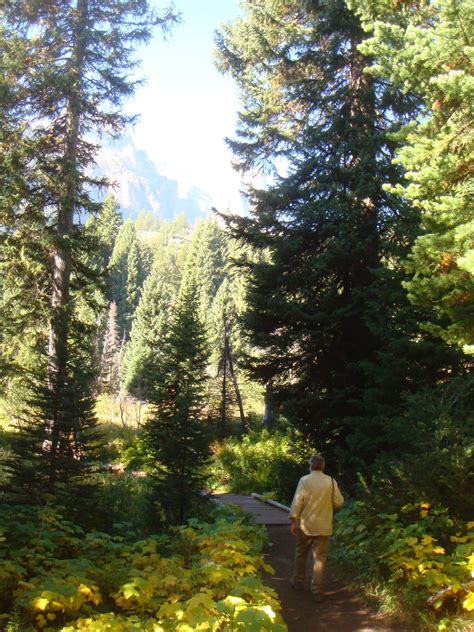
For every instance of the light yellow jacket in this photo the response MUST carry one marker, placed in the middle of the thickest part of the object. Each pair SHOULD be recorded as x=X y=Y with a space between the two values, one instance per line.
x=312 y=505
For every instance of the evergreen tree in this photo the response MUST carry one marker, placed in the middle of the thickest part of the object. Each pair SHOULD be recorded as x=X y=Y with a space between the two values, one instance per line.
x=70 y=87
x=105 y=226
x=220 y=289
x=425 y=49
x=119 y=271
x=207 y=261
x=180 y=224
x=222 y=325
x=102 y=230
x=24 y=261
x=144 y=354
x=111 y=353
x=326 y=308
x=175 y=434
x=147 y=222
x=135 y=279
x=146 y=258
x=129 y=266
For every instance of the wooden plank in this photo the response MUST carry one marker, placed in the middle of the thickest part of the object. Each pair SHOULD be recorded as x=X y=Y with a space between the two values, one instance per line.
x=270 y=501
x=262 y=512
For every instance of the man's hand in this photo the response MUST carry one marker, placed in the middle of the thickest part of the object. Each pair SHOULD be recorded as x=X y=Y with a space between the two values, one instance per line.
x=293 y=528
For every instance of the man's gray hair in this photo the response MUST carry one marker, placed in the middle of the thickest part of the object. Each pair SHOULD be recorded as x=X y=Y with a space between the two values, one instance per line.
x=317 y=462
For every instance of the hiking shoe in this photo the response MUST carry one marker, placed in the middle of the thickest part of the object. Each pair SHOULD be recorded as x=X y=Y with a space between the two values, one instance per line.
x=296 y=585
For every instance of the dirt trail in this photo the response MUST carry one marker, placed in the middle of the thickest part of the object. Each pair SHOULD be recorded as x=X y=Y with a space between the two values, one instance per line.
x=343 y=611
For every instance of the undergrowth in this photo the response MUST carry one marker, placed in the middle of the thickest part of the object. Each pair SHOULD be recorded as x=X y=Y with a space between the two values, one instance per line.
x=417 y=561
x=263 y=462
x=55 y=576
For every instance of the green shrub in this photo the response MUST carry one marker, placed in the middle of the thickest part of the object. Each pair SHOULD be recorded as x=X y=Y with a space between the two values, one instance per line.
x=419 y=554
x=54 y=576
x=124 y=504
x=262 y=462
x=437 y=432
x=135 y=455
x=118 y=440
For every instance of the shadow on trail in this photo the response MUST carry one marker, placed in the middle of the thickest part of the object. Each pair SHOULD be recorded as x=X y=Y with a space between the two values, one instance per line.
x=342 y=611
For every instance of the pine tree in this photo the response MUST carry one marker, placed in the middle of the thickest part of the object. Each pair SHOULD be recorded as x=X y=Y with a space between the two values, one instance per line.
x=143 y=357
x=223 y=317
x=426 y=51
x=207 y=261
x=326 y=308
x=129 y=266
x=111 y=353
x=119 y=271
x=24 y=261
x=135 y=280
x=70 y=87
x=105 y=226
x=176 y=436
x=209 y=264
x=102 y=230
x=147 y=222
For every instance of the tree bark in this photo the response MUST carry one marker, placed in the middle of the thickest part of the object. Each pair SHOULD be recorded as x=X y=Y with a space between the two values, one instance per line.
x=62 y=425
x=224 y=396
x=269 y=416
x=238 y=396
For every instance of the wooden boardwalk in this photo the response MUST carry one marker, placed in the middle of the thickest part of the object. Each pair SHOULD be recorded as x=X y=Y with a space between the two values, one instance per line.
x=263 y=512
x=343 y=611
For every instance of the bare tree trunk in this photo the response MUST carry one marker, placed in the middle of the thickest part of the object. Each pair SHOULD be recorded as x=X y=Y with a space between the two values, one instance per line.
x=138 y=412
x=224 y=396
x=122 y=405
x=269 y=416
x=228 y=355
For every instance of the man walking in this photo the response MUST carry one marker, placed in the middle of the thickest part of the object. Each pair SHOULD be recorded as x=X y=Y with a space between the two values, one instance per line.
x=311 y=514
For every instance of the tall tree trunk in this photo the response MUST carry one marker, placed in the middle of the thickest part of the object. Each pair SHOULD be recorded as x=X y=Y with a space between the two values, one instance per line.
x=238 y=396
x=269 y=416
x=223 y=419
x=61 y=426
x=358 y=341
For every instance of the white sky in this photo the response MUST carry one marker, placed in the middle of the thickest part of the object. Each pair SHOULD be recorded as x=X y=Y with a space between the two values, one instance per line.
x=187 y=107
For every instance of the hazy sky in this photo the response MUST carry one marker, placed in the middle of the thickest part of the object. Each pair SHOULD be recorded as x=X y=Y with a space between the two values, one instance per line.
x=187 y=107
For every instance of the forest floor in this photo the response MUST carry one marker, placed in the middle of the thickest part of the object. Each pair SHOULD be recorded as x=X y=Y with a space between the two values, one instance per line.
x=341 y=611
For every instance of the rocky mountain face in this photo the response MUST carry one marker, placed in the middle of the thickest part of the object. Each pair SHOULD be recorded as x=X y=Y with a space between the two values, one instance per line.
x=140 y=187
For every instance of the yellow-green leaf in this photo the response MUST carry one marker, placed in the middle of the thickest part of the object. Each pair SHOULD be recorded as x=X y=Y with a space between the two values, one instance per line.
x=41 y=603
x=468 y=603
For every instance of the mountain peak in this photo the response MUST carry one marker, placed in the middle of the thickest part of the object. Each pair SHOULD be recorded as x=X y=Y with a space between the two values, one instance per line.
x=140 y=187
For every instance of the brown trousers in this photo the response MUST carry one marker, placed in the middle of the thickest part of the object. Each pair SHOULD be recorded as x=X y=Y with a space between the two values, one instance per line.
x=320 y=547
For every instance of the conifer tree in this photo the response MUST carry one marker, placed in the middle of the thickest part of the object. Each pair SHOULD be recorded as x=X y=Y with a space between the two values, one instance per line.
x=326 y=308
x=135 y=279
x=105 y=226
x=129 y=267
x=207 y=262
x=70 y=89
x=111 y=352
x=102 y=230
x=175 y=434
x=147 y=222
x=23 y=257
x=223 y=317
x=143 y=357
x=119 y=270
x=425 y=50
